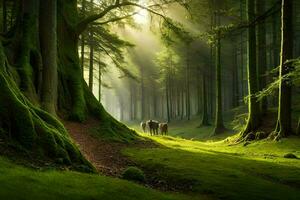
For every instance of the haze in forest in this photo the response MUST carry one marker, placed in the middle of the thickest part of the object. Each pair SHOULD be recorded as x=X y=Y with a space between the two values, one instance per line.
x=149 y=99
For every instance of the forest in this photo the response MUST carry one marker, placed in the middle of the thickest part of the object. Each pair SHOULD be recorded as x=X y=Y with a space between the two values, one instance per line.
x=149 y=99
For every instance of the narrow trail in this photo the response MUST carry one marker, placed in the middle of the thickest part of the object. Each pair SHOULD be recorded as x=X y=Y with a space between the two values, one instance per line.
x=108 y=159
x=105 y=156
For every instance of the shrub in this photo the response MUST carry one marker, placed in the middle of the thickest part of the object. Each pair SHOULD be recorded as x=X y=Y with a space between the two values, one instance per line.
x=133 y=174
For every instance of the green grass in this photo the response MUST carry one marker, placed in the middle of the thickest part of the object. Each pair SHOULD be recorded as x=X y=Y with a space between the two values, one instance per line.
x=18 y=182
x=189 y=130
x=223 y=171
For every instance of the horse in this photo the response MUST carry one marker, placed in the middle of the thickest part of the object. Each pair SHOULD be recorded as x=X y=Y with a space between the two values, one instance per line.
x=143 y=126
x=153 y=127
x=163 y=128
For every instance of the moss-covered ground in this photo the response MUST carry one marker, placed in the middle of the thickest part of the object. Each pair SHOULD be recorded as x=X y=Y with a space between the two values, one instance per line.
x=201 y=167
x=220 y=170
x=18 y=182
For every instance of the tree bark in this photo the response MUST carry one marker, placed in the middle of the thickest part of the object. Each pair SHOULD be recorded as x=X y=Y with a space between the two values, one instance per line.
x=4 y=16
x=83 y=39
x=168 y=97
x=188 y=102
x=261 y=54
x=298 y=128
x=91 y=66
x=219 y=126
x=48 y=41
x=253 y=121
x=99 y=81
x=204 y=120
x=283 y=127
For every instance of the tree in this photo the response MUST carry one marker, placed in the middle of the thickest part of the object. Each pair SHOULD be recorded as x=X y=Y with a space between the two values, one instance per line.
x=298 y=128
x=48 y=41
x=24 y=78
x=253 y=121
x=204 y=120
x=283 y=127
x=261 y=53
x=91 y=45
x=219 y=126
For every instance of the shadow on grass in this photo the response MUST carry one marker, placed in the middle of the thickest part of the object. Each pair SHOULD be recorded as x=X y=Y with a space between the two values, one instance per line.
x=219 y=174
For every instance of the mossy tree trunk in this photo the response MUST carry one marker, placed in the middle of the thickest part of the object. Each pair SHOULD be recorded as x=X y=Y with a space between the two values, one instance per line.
x=22 y=122
x=48 y=42
x=28 y=59
x=21 y=62
x=91 y=45
x=75 y=96
x=35 y=130
x=261 y=53
x=82 y=39
x=283 y=127
x=298 y=128
x=253 y=121
x=4 y=16
x=91 y=66
x=219 y=125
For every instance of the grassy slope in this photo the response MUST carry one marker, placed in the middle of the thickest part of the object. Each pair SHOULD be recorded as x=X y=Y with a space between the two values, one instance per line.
x=257 y=171
x=18 y=182
x=188 y=130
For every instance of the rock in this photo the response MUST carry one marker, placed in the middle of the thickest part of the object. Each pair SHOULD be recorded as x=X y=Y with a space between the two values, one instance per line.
x=250 y=137
x=290 y=155
x=246 y=143
x=260 y=135
x=133 y=174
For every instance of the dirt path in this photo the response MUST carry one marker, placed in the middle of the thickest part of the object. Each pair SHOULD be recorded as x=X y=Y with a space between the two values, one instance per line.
x=105 y=156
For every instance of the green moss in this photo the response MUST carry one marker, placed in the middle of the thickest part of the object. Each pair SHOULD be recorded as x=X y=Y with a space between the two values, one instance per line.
x=33 y=129
x=290 y=155
x=109 y=128
x=133 y=174
x=18 y=182
x=223 y=171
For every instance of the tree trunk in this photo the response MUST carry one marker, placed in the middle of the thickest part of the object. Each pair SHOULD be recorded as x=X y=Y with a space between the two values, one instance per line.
x=35 y=130
x=91 y=67
x=188 y=106
x=83 y=40
x=261 y=54
x=99 y=81
x=253 y=121
x=167 y=97
x=20 y=71
x=219 y=126
x=48 y=41
x=28 y=56
x=4 y=16
x=242 y=52
x=283 y=127
x=298 y=128
x=143 y=113
x=235 y=79
x=204 y=120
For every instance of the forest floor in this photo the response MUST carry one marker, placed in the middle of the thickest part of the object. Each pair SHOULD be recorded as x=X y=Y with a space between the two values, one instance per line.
x=190 y=162
x=187 y=164
x=215 y=167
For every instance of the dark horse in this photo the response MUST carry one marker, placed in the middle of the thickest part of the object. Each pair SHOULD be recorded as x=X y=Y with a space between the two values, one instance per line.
x=153 y=127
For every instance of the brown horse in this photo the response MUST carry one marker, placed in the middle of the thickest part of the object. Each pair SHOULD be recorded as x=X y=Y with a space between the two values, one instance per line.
x=163 y=128
x=153 y=127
